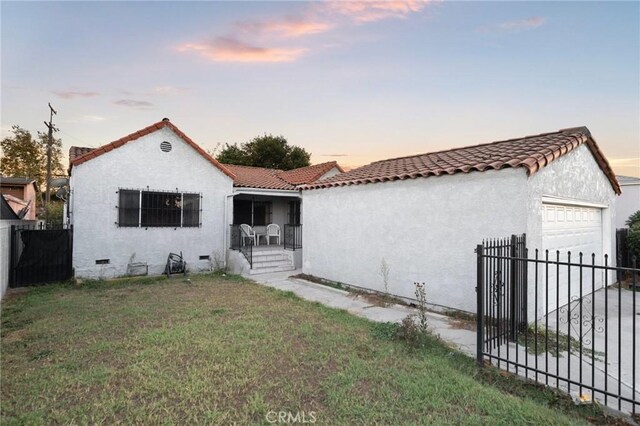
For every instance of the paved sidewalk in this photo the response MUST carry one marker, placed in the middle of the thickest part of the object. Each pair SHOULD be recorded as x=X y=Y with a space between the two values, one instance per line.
x=447 y=328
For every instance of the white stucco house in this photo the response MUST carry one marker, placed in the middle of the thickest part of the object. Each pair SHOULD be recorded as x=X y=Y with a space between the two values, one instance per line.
x=154 y=192
x=629 y=201
x=423 y=215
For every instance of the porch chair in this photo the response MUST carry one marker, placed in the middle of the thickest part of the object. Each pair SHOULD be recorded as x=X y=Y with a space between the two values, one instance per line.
x=248 y=232
x=273 y=230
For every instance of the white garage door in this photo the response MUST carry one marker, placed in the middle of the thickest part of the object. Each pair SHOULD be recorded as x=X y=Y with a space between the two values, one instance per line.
x=575 y=229
x=572 y=228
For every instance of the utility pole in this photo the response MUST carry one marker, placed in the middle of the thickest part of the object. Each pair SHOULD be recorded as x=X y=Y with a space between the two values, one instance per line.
x=52 y=129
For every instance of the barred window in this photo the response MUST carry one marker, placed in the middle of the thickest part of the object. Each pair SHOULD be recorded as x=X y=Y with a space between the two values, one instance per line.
x=191 y=210
x=129 y=208
x=158 y=209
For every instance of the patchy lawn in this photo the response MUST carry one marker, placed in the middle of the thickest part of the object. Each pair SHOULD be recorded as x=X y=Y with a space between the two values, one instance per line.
x=222 y=350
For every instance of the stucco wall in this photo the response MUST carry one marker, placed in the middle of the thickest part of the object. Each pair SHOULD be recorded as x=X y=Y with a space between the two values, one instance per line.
x=627 y=204
x=334 y=171
x=137 y=165
x=575 y=176
x=425 y=230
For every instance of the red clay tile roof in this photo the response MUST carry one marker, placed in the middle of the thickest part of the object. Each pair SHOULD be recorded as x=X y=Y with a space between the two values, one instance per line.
x=147 y=130
x=530 y=152
x=260 y=177
x=257 y=177
x=308 y=174
x=78 y=151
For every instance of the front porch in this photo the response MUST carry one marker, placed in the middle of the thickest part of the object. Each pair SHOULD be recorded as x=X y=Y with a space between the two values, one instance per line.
x=254 y=213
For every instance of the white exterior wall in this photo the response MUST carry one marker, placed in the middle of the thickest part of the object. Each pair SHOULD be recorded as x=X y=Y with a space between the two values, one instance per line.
x=627 y=204
x=334 y=171
x=575 y=177
x=137 y=165
x=425 y=229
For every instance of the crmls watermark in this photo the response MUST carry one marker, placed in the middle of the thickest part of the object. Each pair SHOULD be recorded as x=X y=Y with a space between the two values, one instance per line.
x=288 y=417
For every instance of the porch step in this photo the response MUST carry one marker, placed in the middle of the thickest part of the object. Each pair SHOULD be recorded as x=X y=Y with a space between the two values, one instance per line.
x=265 y=270
x=265 y=261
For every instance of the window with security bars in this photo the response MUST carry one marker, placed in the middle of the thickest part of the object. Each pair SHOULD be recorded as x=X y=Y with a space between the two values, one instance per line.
x=158 y=209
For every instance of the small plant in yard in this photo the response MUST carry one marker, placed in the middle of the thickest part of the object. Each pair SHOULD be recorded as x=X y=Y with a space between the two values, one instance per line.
x=421 y=297
x=384 y=273
x=414 y=329
x=385 y=330
x=216 y=262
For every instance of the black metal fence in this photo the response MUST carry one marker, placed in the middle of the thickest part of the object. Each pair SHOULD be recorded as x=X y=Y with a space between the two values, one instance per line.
x=239 y=240
x=556 y=318
x=293 y=237
x=39 y=255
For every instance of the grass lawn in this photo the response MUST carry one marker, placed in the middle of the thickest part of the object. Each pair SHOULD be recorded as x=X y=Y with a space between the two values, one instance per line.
x=223 y=350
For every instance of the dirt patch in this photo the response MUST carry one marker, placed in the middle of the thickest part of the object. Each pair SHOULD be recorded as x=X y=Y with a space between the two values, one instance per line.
x=374 y=299
x=15 y=336
x=461 y=324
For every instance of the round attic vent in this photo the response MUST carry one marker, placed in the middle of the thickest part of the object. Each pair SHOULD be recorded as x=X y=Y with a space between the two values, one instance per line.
x=165 y=146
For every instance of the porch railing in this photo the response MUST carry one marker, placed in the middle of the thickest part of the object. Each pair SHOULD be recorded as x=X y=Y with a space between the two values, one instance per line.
x=239 y=240
x=293 y=237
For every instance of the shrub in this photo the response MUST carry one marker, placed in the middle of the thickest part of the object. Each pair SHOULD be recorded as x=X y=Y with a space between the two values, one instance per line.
x=634 y=219
x=633 y=238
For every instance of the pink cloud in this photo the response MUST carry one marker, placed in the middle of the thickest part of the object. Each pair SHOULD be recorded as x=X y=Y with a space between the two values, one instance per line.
x=525 y=24
x=225 y=49
x=371 y=11
x=318 y=18
x=133 y=103
x=71 y=95
x=289 y=28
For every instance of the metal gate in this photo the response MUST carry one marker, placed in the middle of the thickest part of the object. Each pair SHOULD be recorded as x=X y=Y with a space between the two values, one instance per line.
x=583 y=333
x=40 y=256
x=504 y=278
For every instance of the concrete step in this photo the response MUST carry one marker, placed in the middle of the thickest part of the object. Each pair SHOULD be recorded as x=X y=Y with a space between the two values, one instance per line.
x=270 y=263
x=269 y=253
x=255 y=271
x=270 y=257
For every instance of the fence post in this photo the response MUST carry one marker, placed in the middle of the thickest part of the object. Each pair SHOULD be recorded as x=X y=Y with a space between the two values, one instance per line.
x=12 y=257
x=480 y=306
x=512 y=290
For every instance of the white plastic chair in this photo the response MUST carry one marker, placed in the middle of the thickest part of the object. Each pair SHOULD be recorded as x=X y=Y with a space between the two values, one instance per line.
x=248 y=232
x=273 y=230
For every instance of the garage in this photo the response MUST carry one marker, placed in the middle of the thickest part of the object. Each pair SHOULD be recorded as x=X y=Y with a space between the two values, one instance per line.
x=577 y=229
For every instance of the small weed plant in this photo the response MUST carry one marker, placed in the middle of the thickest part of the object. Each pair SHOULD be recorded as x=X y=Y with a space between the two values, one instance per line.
x=384 y=273
x=414 y=329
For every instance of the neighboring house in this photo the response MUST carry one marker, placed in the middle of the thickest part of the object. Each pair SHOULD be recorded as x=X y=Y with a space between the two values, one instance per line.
x=423 y=215
x=629 y=202
x=17 y=207
x=155 y=191
x=21 y=196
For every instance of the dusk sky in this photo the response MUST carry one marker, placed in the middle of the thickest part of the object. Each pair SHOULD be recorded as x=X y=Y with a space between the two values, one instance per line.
x=348 y=81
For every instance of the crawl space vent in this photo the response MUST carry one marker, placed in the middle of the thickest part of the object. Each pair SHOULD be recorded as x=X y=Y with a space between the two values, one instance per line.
x=165 y=146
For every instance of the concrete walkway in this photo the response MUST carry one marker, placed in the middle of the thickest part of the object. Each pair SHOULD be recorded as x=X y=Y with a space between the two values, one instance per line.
x=447 y=328
x=460 y=334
